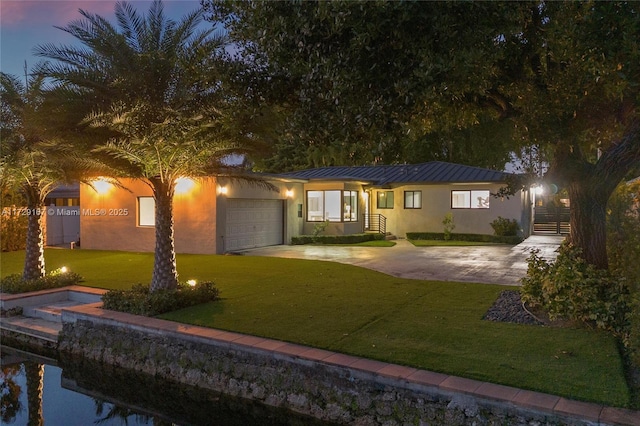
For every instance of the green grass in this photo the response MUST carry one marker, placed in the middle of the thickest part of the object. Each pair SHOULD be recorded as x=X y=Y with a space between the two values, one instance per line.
x=425 y=324
x=431 y=243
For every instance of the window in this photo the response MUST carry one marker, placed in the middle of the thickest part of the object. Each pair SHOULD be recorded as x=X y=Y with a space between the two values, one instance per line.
x=350 y=206
x=412 y=199
x=146 y=211
x=470 y=199
x=385 y=199
x=334 y=206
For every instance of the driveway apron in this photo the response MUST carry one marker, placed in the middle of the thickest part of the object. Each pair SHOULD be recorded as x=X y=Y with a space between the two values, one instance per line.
x=492 y=264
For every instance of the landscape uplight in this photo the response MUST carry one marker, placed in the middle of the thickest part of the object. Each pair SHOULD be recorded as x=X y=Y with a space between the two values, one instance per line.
x=192 y=283
x=64 y=270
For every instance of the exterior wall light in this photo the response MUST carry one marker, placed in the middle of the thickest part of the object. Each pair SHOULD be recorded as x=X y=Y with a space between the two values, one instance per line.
x=224 y=190
x=289 y=193
x=184 y=185
x=101 y=186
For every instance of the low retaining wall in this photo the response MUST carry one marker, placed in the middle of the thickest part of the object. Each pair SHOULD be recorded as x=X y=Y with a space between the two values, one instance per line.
x=329 y=386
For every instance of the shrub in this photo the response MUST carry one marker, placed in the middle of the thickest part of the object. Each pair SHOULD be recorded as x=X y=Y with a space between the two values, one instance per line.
x=623 y=247
x=13 y=229
x=449 y=226
x=505 y=227
x=570 y=288
x=14 y=284
x=319 y=228
x=141 y=301
x=336 y=239
x=439 y=236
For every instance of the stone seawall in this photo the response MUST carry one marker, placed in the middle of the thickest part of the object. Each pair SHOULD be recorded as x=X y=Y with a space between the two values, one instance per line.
x=336 y=388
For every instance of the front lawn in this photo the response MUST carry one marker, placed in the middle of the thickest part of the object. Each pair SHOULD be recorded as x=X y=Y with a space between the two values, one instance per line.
x=426 y=324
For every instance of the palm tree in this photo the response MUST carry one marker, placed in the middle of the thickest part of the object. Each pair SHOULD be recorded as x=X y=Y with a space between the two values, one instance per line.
x=33 y=158
x=157 y=84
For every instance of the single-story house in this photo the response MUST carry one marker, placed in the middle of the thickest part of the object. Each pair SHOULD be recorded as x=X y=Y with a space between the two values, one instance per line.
x=219 y=215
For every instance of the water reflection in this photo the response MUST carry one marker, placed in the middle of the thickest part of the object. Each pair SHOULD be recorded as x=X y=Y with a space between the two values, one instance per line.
x=36 y=391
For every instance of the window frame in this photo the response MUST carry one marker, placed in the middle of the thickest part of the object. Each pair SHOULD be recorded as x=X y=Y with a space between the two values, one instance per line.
x=385 y=194
x=413 y=199
x=470 y=197
x=149 y=223
x=353 y=216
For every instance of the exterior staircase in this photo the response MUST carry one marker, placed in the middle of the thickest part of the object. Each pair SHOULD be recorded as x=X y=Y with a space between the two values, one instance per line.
x=40 y=313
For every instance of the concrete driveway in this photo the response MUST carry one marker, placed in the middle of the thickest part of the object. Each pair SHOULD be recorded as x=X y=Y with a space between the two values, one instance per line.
x=494 y=264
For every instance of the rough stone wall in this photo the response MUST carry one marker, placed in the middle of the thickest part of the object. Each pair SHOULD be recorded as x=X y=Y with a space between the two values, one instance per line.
x=330 y=393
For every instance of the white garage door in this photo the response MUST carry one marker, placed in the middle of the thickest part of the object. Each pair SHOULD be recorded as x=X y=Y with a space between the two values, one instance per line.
x=253 y=223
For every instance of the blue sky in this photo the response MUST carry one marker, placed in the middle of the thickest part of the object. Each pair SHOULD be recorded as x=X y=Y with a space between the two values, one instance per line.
x=26 y=23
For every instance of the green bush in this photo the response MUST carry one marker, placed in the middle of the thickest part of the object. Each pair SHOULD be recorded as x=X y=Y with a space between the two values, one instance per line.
x=14 y=284
x=449 y=226
x=13 y=229
x=335 y=239
x=570 y=288
x=439 y=236
x=505 y=227
x=141 y=301
x=623 y=248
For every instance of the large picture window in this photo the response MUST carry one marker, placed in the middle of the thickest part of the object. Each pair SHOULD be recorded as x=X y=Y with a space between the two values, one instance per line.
x=334 y=206
x=146 y=211
x=412 y=199
x=478 y=199
x=385 y=199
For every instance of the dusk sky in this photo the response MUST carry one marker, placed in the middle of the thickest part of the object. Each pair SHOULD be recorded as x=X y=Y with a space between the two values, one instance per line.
x=25 y=23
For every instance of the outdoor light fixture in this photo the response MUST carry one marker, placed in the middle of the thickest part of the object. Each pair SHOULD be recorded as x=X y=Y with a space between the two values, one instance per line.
x=101 y=186
x=64 y=270
x=289 y=193
x=539 y=190
x=184 y=185
x=192 y=283
x=224 y=190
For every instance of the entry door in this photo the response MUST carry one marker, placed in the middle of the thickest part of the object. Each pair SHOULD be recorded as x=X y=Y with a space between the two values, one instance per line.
x=253 y=223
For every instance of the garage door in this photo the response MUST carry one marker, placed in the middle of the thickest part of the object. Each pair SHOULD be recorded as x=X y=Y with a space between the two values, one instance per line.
x=253 y=223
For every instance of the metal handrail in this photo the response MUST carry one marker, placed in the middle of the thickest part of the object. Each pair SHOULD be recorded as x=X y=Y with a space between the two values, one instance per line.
x=375 y=223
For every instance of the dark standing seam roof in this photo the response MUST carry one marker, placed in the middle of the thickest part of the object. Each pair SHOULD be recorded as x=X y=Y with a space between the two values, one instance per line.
x=431 y=172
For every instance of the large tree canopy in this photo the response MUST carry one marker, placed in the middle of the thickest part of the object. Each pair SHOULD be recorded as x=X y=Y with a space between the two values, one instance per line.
x=35 y=154
x=462 y=81
x=156 y=85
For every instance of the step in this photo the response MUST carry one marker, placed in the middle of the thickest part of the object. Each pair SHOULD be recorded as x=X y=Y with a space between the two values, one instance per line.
x=51 y=312
x=35 y=327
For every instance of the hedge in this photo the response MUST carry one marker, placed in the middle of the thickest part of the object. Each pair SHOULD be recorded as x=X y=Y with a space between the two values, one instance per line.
x=514 y=239
x=336 y=239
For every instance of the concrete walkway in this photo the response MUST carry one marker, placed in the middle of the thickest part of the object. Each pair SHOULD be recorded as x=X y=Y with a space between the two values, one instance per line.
x=492 y=264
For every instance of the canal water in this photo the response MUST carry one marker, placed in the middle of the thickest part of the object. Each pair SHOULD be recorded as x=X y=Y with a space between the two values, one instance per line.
x=36 y=391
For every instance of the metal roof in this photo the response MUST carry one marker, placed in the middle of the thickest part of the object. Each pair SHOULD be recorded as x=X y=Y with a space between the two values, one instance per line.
x=431 y=172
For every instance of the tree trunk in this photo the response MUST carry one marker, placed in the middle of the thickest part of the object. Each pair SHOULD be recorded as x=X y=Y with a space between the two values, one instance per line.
x=34 y=251
x=165 y=275
x=35 y=382
x=588 y=222
x=590 y=186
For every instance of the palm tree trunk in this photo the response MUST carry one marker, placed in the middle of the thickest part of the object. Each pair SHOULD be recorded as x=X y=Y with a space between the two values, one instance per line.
x=165 y=275
x=34 y=267
x=35 y=382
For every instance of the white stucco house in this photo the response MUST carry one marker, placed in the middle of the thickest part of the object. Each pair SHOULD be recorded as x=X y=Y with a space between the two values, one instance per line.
x=219 y=215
